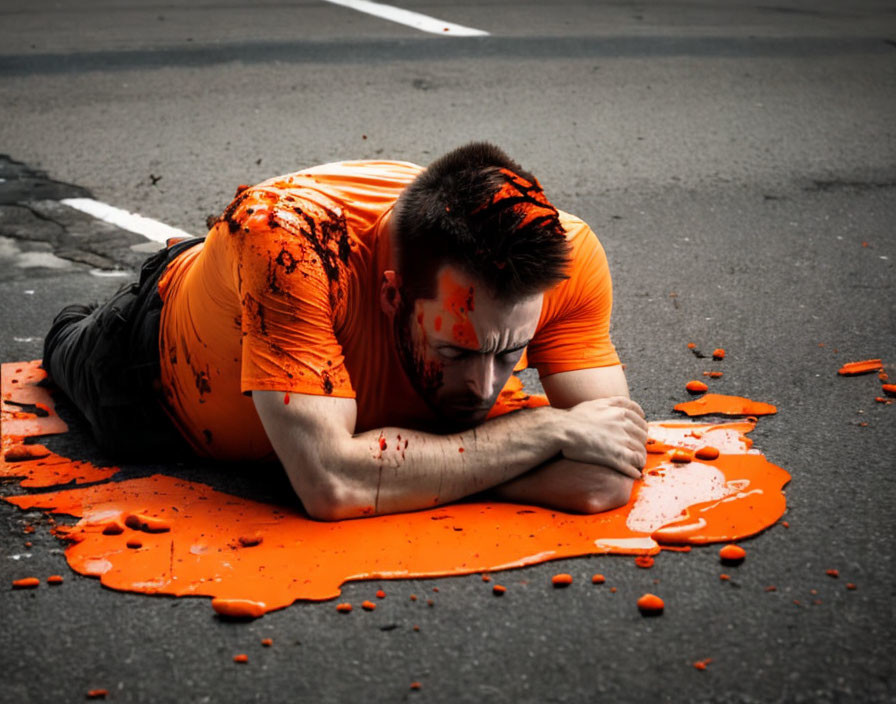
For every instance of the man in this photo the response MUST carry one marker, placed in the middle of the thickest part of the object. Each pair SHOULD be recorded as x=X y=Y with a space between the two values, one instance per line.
x=359 y=320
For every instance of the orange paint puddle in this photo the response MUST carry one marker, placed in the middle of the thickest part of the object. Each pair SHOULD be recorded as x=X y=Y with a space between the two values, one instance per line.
x=725 y=405
x=184 y=538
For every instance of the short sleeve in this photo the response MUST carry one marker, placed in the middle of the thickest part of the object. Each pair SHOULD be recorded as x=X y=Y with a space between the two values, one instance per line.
x=291 y=273
x=574 y=329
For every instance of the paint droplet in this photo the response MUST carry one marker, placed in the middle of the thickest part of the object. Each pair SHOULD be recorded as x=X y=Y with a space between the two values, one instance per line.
x=851 y=586
x=612 y=590
x=248 y=541
x=732 y=554
x=724 y=577
x=498 y=590
x=26 y=583
x=380 y=594
x=771 y=588
x=644 y=561
x=416 y=628
x=383 y=444
x=650 y=605
x=865 y=366
x=561 y=580
x=134 y=543
x=55 y=579
x=430 y=603
x=598 y=579
x=113 y=528
x=486 y=578
x=147 y=524
x=415 y=685
x=239 y=608
x=655 y=447
x=718 y=353
x=267 y=642
x=786 y=524
x=696 y=387
x=707 y=452
x=701 y=664
x=344 y=608
x=285 y=399
x=681 y=456
x=460 y=449
x=368 y=605
x=832 y=573
x=714 y=375
x=691 y=346
x=97 y=693
x=242 y=658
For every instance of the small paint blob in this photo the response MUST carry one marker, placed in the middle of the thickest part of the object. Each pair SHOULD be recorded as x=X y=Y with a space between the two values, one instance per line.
x=267 y=642
x=97 y=693
x=113 y=528
x=714 y=375
x=55 y=579
x=413 y=597
x=612 y=590
x=725 y=577
x=430 y=603
x=147 y=524
x=786 y=524
x=650 y=605
x=718 y=353
x=415 y=685
x=692 y=346
x=134 y=543
x=696 y=387
x=498 y=590
x=248 y=541
x=561 y=580
x=486 y=578
x=344 y=608
x=26 y=583
x=681 y=456
x=644 y=561
x=383 y=444
x=242 y=658
x=701 y=664
x=436 y=590
x=851 y=586
x=655 y=447
x=889 y=389
x=285 y=399
x=771 y=588
x=707 y=452
x=368 y=605
x=866 y=366
x=732 y=554
x=239 y=608
x=380 y=594
x=416 y=628
x=460 y=449
x=598 y=579
x=832 y=573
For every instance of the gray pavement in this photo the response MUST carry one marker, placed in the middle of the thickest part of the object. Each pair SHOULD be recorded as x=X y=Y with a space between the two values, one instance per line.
x=732 y=158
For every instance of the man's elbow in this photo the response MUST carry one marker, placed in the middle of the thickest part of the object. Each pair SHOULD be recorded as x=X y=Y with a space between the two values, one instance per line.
x=330 y=500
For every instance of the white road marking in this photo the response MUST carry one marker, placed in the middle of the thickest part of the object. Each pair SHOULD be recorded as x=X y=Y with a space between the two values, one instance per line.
x=149 y=228
x=424 y=23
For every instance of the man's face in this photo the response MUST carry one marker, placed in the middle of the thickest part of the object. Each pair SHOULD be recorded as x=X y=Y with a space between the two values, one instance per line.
x=459 y=348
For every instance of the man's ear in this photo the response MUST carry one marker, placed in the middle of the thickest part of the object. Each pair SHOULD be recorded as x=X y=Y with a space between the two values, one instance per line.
x=390 y=296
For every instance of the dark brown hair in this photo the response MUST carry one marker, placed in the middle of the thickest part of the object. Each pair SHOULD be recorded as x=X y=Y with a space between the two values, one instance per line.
x=478 y=210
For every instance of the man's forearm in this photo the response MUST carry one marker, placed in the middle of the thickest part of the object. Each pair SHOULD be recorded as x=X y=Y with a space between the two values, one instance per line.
x=394 y=469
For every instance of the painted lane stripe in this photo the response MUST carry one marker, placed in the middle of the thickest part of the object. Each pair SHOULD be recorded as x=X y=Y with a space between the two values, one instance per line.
x=424 y=23
x=149 y=228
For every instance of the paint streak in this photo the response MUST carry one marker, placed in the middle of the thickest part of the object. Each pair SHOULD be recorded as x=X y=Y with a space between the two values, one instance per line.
x=866 y=366
x=459 y=301
x=725 y=405
x=726 y=499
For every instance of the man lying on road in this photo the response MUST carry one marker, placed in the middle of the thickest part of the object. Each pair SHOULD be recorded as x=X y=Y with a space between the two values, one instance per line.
x=359 y=319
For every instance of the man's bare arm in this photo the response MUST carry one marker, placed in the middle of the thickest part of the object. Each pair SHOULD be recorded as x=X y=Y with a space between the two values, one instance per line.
x=338 y=474
x=576 y=486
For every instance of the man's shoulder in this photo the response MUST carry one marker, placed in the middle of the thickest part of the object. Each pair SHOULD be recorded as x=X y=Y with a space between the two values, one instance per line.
x=366 y=176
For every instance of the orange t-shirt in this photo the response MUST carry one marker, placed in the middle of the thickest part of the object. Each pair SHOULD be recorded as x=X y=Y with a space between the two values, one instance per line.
x=283 y=295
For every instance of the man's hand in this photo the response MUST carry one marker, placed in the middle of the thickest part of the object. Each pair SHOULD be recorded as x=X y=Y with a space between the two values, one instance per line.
x=609 y=432
x=569 y=486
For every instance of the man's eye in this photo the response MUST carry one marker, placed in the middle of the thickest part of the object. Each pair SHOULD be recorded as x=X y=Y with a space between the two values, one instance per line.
x=451 y=353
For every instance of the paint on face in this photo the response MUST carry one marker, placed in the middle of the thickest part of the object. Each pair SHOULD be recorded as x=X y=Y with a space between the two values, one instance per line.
x=459 y=348
x=201 y=552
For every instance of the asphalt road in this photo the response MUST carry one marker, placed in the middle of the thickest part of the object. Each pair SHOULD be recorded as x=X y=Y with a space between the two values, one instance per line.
x=738 y=163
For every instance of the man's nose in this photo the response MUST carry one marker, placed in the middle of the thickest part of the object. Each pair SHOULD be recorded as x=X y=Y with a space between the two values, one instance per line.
x=481 y=376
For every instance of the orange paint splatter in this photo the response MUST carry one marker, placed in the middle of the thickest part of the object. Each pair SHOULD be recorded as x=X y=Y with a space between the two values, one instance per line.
x=486 y=578
x=786 y=524
x=707 y=452
x=718 y=353
x=459 y=300
x=200 y=552
x=692 y=346
x=701 y=664
x=55 y=579
x=344 y=608
x=655 y=447
x=498 y=590
x=249 y=541
x=650 y=605
x=771 y=588
x=851 y=586
x=644 y=561
x=561 y=580
x=889 y=389
x=26 y=583
x=380 y=594
x=242 y=658
x=97 y=693
x=866 y=366
x=732 y=554
x=612 y=590
x=598 y=579
x=832 y=573
x=415 y=685
x=267 y=642
x=239 y=608
x=679 y=455
x=725 y=577
x=368 y=605
x=285 y=399
x=714 y=375
x=725 y=405
x=696 y=387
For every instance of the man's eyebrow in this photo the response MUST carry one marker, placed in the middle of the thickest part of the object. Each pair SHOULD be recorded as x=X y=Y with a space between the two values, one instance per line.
x=516 y=347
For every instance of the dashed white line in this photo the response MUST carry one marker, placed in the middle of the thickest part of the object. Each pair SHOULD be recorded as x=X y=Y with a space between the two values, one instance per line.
x=424 y=23
x=149 y=228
